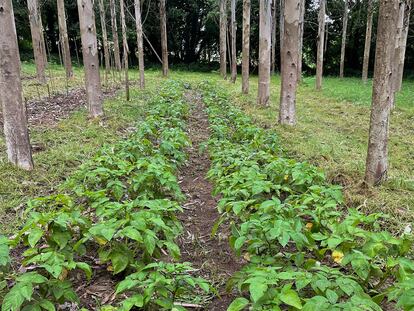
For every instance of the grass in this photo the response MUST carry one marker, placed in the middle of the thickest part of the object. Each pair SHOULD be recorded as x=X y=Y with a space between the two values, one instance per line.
x=332 y=133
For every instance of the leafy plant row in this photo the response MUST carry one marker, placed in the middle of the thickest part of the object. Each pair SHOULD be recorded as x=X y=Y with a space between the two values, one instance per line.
x=117 y=214
x=304 y=251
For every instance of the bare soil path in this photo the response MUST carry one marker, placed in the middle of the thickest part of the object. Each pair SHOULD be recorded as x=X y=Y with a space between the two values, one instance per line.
x=212 y=255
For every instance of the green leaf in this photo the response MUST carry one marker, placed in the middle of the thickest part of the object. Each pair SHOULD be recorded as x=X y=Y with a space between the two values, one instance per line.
x=134 y=301
x=47 y=305
x=86 y=268
x=4 y=251
x=257 y=289
x=332 y=296
x=291 y=298
x=125 y=285
x=238 y=304
x=132 y=233
x=239 y=243
x=34 y=236
x=149 y=242
x=31 y=277
x=13 y=300
x=119 y=261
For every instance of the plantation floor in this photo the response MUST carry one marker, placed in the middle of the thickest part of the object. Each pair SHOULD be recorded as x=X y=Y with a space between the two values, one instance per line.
x=212 y=255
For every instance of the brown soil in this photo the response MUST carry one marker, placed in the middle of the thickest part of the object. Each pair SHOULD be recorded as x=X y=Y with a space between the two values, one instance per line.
x=212 y=255
x=49 y=111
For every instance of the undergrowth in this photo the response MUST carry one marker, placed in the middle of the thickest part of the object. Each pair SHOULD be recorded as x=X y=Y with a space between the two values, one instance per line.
x=304 y=251
x=121 y=205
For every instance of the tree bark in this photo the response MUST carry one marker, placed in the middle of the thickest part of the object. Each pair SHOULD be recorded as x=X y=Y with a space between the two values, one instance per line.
x=321 y=44
x=233 y=42
x=404 y=22
x=107 y=55
x=14 y=112
x=274 y=30
x=368 y=37
x=290 y=59
x=246 y=46
x=344 y=34
x=125 y=47
x=90 y=57
x=115 y=39
x=377 y=157
x=140 y=44
x=264 y=52
x=64 y=39
x=39 y=49
x=281 y=22
x=164 y=44
x=223 y=38
x=301 y=33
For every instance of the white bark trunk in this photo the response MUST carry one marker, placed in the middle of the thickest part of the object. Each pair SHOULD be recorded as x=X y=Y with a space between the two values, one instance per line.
x=246 y=46
x=402 y=44
x=274 y=31
x=368 y=37
x=39 y=48
x=90 y=57
x=233 y=42
x=115 y=39
x=105 y=41
x=321 y=44
x=289 y=66
x=140 y=44
x=164 y=43
x=14 y=112
x=125 y=48
x=223 y=38
x=301 y=33
x=64 y=39
x=377 y=158
x=264 y=52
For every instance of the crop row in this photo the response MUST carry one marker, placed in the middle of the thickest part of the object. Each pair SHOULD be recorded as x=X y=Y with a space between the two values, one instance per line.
x=117 y=213
x=304 y=251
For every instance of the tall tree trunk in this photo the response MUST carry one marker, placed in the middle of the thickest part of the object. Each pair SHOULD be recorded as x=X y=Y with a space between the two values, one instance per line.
x=14 y=111
x=321 y=44
x=368 y=37
x=405 y=12
x=115 y=39
x=107 y=55
x=246 y=46
x=233 y=42
x=223 y=38
x=64 y=39
x=274 y=30
x=281 y=23
x=39 y=49
x=264 y=52
x=301 y=33
x=125 y=47
x=289 y=66
x=164 y=44
x=90 y=57
x=140 y=44
x=344 y=34
x=377 y=158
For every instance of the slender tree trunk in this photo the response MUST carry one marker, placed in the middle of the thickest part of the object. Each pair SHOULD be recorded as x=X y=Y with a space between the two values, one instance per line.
x=90 y=57
x=125 y=47
x=289 y=67
x=64 y=39
x=281 y=23
x=368 y=37
x=264 y=52
x=14 y=111
x=321 y=43
x=402 y=45
x=39 y=49
x=246 y=46
x=164 y=44
x=140 y=44
x=274 y=30
x=377 y=158
x=115 y=39
x=107 y=55
x=233 y=42
x=344 y=34
x=223 y=38
x=301 y=33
